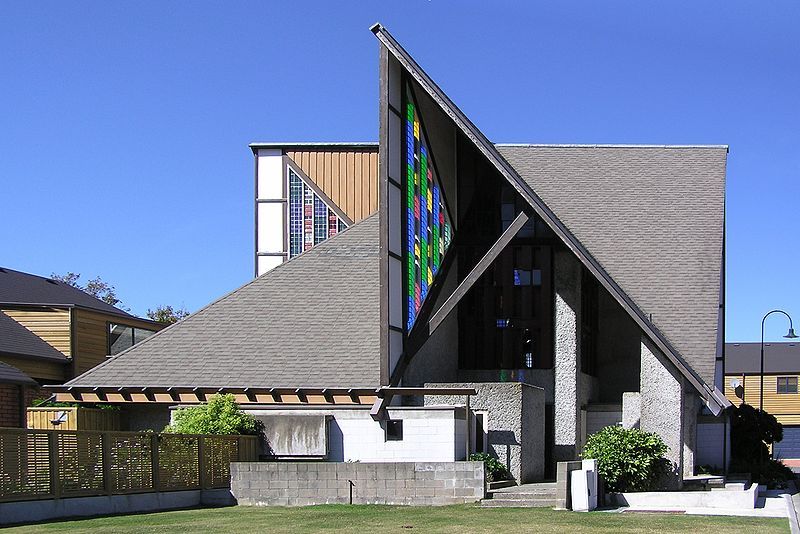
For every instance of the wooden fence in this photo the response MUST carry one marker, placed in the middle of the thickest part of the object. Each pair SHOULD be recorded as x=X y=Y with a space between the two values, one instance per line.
x=51 y=464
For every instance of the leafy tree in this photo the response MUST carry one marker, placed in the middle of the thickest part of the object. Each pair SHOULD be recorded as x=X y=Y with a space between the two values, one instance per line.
x=167 y=314
x=95 y=287
x=220 y=415
x=751 y=431
x=628 y=459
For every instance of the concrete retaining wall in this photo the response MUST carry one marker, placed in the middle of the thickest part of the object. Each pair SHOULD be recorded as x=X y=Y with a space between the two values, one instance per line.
x=307 y=483
x=47 y=509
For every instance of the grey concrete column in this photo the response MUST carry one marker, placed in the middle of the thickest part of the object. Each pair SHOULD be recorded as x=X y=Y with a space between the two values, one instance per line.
x=662 y=407
x=567 y=282
x=690 y=410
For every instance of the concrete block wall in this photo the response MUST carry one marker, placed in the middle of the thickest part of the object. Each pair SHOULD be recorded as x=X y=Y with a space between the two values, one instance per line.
x=309 y=483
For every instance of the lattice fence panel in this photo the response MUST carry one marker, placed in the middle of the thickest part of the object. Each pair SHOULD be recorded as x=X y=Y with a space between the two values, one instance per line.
x=131 y=462
x=80 y=463
x=24 y=465
x=219 y=451
x=178 y=462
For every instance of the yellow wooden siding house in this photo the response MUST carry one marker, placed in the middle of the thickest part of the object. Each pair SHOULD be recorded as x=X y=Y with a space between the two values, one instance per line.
x=51 y=332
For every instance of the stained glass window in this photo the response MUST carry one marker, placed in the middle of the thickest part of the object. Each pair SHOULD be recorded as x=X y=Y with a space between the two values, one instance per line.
x=311 y=220
x=428 y=230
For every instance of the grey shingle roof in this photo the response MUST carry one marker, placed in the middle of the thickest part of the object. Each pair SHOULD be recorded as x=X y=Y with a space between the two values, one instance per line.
x=17 y=340
x=653 y=218
x=12 y=375
x=311 y=322
x=778 y=358
x=24 y=288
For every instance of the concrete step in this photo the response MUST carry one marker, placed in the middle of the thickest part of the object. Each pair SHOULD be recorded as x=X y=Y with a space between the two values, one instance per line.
x=523 y=493
x=514 y=503
x=521 y=496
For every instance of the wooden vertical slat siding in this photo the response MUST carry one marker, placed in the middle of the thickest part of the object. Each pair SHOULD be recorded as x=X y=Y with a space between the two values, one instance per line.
x=348 y=177
x=52 y=325
x=340 y=188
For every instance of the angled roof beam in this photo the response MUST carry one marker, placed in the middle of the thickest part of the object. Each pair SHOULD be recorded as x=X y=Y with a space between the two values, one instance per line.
x=484 y=263
x=714 y=399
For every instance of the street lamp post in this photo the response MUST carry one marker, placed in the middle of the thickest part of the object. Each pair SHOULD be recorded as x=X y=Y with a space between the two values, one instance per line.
x=789 y=335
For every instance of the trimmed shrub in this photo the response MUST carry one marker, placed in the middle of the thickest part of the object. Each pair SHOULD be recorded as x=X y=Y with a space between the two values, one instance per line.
x=628 y=459
x=494 y=469
x=220 y=415
x=751 y=430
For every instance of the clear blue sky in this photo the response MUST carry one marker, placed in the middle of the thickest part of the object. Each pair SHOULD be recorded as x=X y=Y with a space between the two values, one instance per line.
x=123 y=146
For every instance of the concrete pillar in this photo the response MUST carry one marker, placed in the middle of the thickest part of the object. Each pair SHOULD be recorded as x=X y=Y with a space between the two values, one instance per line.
x=567 y=282
x=690 y=411
x=631 y=409
x=662 y=408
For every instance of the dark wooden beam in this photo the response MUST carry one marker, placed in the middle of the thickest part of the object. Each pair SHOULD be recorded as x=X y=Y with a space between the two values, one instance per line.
x=480 y=268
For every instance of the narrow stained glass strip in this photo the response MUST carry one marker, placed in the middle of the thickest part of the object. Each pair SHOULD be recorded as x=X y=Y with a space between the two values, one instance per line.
x=311 y=220
x=427 y=235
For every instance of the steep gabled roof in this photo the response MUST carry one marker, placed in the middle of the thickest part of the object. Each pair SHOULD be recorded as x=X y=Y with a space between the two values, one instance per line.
x=17 y=287
x=653 y=218
x=713 y=397
x=16 y=340
x=311 y=322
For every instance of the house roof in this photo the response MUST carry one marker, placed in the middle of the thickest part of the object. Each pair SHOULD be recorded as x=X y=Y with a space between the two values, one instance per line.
x=12 y=375
x=701 y=380
x=17 y=340
x=745 y=358
x=312 y=322
x=653 y=218
x=20 y=288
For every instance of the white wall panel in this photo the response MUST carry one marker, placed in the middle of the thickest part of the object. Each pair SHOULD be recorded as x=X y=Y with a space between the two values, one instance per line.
x=270 y=174
x=395 y=131
x=267 y=263
x=395 y=220
x=395 y=292
x=271 y=227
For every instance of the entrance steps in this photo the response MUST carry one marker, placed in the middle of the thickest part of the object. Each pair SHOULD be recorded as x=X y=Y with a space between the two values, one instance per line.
x=537 y=495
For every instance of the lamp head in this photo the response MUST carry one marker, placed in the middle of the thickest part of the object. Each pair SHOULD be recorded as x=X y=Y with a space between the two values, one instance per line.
x=791 y=334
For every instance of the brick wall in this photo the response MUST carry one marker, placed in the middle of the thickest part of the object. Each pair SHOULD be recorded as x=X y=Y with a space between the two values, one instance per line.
x=10 y=408
x=10 y=405
x=307 y=483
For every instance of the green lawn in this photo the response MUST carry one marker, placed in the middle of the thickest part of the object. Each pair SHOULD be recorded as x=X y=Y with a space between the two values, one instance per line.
x=456 y=519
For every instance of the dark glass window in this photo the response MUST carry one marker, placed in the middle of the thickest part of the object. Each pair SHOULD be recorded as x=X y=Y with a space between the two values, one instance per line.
x=787 y=384
x=589 y=322
x=394 y=430
x=122 y=337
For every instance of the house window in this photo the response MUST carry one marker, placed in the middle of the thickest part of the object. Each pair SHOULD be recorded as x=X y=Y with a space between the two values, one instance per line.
x=787 y=384
x=122 y=337
x=311 y=220
x=394 y=430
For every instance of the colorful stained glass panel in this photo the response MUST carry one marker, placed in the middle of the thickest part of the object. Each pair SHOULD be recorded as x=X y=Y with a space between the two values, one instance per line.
x=427 y=223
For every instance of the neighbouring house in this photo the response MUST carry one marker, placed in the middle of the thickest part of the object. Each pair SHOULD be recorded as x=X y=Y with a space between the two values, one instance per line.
x=781 y=395
x=504 y=298
x=51 y=332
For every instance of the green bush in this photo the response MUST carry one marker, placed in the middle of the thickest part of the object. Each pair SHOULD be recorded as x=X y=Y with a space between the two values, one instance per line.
x=220 y=415
x=628 y=459
x=494 y=469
